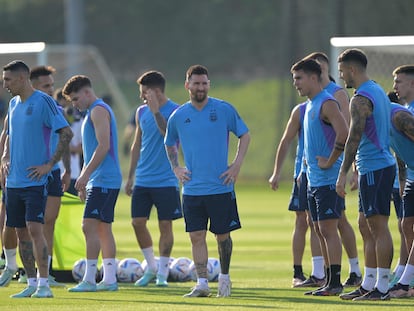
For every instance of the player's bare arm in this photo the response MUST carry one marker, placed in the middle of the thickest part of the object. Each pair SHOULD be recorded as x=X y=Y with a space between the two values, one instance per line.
x=154 y=105
x=402 y=170
x=291 y=130
x=404 y=122
x=182 y=173
x=135 y=154
x=231 y=174
x=343 y=99
x=361 y=109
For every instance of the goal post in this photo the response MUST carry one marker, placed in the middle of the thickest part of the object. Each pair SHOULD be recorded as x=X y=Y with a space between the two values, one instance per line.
x=384 y=54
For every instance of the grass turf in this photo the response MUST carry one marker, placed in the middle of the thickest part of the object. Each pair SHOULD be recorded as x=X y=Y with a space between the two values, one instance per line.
x=261 y=266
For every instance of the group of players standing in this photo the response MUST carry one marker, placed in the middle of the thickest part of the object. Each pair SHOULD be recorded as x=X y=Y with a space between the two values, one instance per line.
x=37 y=137
x=336 y=134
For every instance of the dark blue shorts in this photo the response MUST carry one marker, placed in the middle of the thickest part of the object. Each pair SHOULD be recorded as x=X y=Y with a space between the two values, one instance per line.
x=375 y=190
x=220 y=209
x=100 y=204
x=25 y=204
x=166 y=200
x=54 y=186
x=298 y=200
x=408 y=199
x=398 y=203
x=325 y=203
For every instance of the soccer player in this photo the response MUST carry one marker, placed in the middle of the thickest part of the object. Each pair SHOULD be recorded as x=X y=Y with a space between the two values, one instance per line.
x=345 y=229
x=298 y=201
x=202 y=127
x=42 y=79
x=404 y=89
x=155 y=182
x=325 y=132
x=397 y=193
x=26 y=164
x=368 y=144
x=98 y=184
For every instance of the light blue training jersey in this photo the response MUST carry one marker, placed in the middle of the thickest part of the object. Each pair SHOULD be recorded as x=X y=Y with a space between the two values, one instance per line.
x=410 y=172
x=204 y=137
x=332 y=88
x=373 y=151
x=108 y=173
x=154 y=169
x=30 y=127
x=399 y=142
x=319 y=140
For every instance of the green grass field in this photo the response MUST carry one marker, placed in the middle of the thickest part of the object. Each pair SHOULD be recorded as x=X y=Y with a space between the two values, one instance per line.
x=261 y=266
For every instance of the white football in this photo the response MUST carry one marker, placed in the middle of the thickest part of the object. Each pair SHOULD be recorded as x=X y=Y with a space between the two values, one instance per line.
x=180 y=269
x=129 y=270
x=78 y=269
x=213 y=269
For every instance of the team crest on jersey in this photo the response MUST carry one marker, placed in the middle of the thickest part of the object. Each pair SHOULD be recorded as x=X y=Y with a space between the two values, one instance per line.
x=213 y=115
x=29 y=110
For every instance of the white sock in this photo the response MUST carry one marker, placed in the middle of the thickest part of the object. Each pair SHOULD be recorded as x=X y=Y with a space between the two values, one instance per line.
x=43 y=282
x=163 y=266
x=383 y=278
x=354 y=266
x=408 y=275
x=90 y=271
x=318 y=267
x=202 y=283
x=224 y=276
x=150 y=258
x=370 y=278
x=109 y=267
x=32 y=282
x=10 y=255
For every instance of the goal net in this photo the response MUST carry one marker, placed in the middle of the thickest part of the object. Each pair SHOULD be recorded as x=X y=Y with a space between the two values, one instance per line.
x=69 y=60
x=384 y=55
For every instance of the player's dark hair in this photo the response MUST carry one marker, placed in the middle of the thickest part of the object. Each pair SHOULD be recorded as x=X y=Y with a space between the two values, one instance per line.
x=407 y=69
x=17 y=65
x=75 y=84
x=41 y=71
x=196 y=70
x=393 y=96
x=309 y=66
x=355 y=56
x=152 y=79
x=319 y=56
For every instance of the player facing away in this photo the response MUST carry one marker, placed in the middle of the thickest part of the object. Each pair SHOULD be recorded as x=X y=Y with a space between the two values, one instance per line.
x=368 y=145
x=155 y=182
x=202 y=126
x=98 y=184
x=325 y=132
x=26 y=165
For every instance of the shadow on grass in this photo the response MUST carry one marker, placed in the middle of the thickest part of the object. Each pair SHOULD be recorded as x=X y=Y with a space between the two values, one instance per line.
x=242 y=298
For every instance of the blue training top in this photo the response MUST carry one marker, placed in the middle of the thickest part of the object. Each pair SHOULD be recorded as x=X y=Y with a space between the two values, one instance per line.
x=332 y=88
x=30 y=127
x=204 y=137
x=373 y=151
x=319 y=141
x=410 y=172
x=154 y=169
x=108 y=173
x=399 y=142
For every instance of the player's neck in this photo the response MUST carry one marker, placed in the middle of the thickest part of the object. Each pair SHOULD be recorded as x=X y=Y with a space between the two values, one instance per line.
x=26 y=93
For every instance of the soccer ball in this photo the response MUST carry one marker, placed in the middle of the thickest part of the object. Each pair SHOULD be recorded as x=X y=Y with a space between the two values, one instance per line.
x=213 y=269
x=129 y=270
x=180 y=269
x=193 y=271
x=78 y=269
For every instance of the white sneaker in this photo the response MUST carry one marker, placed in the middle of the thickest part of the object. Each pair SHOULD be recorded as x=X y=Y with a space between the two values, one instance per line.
x=224 y=288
